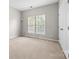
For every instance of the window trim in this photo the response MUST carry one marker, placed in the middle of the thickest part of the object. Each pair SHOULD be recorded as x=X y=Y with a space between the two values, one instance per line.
x=35 y=32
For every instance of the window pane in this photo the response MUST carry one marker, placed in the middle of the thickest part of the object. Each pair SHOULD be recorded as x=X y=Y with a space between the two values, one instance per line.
x=31 y=20
x=31 y=24
x=31 y=29
x=40 y=24
x=40 y=29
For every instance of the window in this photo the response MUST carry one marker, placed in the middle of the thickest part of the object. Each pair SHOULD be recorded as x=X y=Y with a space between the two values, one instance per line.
x=36 y=24
x=31 y=24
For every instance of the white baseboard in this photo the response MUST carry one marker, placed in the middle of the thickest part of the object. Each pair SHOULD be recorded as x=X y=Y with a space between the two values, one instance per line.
x=13 y=37
x=43 y=38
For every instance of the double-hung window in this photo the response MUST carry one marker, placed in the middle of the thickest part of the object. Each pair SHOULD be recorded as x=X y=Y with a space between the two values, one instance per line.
x=36 y=24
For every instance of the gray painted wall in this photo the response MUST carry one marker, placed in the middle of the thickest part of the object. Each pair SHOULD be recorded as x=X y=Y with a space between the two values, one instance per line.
x=14 y=23
x=51 y=12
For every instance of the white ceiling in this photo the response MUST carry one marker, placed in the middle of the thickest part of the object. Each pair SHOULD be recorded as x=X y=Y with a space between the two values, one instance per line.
x=25 y=4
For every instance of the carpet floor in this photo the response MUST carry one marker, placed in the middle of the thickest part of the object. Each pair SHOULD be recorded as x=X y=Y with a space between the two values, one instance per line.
x=31 y=48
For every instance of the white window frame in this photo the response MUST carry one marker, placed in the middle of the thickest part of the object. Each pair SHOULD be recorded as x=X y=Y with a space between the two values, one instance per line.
x=35 y=28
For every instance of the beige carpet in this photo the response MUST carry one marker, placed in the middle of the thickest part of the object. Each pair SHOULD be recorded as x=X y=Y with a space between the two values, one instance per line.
x=30 y=48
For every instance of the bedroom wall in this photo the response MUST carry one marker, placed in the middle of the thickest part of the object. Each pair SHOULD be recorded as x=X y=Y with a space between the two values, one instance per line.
x=14 y=23
x=51 y=13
